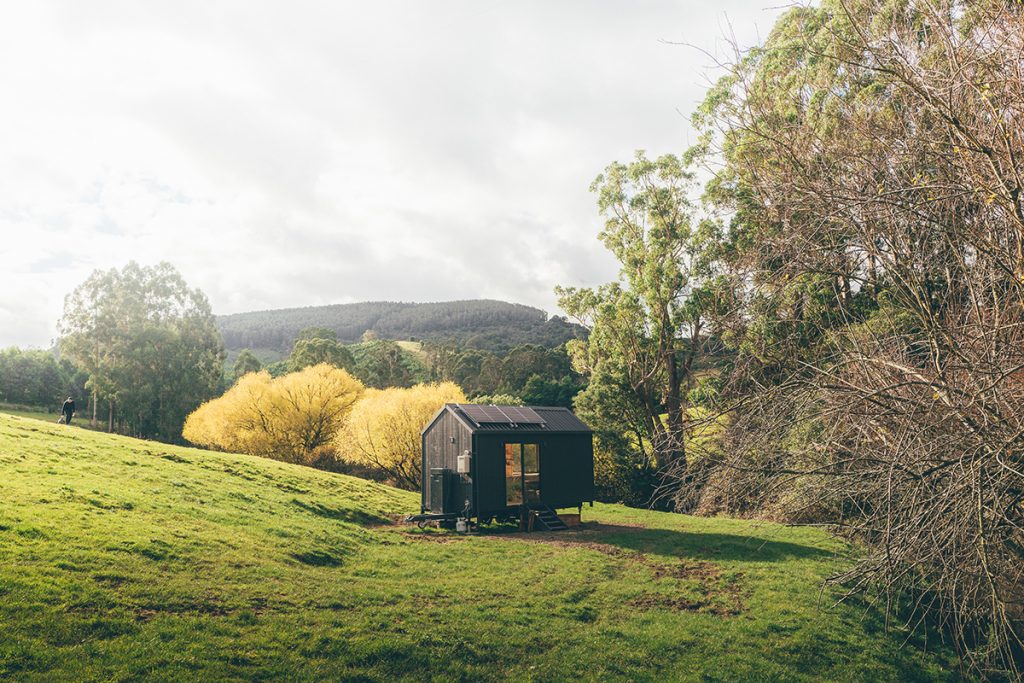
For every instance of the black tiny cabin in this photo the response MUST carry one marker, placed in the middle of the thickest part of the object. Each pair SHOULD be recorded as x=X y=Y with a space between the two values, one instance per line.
x=497 y=461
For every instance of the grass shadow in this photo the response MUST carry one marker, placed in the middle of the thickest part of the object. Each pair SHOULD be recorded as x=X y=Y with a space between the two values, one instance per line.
x=351 y=515
x=705 y=546
x=318 y=558
x=674 y=543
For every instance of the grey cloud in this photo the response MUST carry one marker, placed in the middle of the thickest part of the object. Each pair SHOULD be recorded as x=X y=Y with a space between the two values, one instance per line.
x=299 y=153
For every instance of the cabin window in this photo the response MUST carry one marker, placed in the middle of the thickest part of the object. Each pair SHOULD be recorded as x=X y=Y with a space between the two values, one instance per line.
x=522 y=473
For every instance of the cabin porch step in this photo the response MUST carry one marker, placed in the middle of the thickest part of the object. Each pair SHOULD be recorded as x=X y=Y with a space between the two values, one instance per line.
x=549 y=519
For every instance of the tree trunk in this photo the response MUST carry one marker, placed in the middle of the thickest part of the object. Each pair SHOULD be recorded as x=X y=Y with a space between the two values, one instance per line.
x=673 y=449
x=110 y=418
x=95 y=398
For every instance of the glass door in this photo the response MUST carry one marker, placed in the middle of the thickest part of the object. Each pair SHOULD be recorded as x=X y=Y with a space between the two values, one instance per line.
x=531 y=472
x=513 y=474
x=522 y=473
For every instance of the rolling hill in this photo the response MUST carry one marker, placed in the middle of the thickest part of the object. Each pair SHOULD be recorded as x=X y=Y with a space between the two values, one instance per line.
x=123 y=559
x=483 y=324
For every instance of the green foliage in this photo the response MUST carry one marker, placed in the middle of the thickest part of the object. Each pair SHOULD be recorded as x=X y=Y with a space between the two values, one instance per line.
x=544 y=391
x=36 y=378
x=648 y=328
x=316 y=333
x=148 y=343
x=482 y=374
x=621 y=475
x=380 y=364
x=498 y=400
x=121 y=559
x=279 y=368
x=245 y=363
x=315 y=350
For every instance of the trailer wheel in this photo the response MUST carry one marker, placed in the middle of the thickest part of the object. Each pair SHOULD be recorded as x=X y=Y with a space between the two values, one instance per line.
x=422 y=524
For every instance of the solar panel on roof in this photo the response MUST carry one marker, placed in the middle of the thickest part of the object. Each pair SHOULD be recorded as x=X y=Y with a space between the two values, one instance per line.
x=502 y=415
x=523 y=415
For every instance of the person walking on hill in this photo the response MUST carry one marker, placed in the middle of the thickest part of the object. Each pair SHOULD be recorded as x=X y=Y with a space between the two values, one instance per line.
x=67 y=411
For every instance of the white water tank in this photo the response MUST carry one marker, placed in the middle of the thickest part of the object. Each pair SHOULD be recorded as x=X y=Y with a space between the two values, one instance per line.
x=462 y=465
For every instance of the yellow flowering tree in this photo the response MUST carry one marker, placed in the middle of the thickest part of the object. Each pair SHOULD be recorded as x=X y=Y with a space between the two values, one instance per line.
x=384 y=428
x=291 y=418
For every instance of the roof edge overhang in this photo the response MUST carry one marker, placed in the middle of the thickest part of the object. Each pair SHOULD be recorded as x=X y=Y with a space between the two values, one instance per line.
x=437 y=416
x=447 y=407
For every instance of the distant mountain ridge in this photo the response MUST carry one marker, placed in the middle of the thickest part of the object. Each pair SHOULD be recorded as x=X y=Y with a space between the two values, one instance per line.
x=484 y=324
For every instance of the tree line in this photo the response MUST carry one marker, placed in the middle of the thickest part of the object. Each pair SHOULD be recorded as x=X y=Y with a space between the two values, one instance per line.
x=528 y=374
x=34 y=377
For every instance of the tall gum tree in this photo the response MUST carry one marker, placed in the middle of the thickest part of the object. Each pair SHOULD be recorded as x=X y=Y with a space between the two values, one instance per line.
x=148 y=342
x=648 y=328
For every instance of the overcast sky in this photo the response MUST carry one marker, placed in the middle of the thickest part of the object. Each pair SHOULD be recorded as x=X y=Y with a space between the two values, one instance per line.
x=301 y=153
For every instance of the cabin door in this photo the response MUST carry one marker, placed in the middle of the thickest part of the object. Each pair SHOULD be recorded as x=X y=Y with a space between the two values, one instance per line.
x=522 y=473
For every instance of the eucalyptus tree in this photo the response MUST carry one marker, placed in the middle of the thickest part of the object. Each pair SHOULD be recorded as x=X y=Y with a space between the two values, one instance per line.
x=315 y=350
x=650 y=326
x=148 y=343
x=245 y=363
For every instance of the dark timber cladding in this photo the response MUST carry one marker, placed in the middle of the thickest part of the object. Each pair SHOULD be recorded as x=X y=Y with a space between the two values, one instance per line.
x=495 y=461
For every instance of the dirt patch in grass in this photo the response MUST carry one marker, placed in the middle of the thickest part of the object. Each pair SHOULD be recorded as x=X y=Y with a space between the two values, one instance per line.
x=434 y=538
x=717 y=599
x=579 y=538
x=175 y=458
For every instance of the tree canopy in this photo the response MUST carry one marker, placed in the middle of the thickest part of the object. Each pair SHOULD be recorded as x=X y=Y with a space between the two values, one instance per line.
x=148 y=343
x=493 y=326
x=315 y=350
x=37 y=378
x=245 y=363
x=648 y=328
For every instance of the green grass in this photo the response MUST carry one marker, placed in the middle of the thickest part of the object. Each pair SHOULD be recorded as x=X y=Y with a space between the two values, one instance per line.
x=39 y=413
x=131 y=560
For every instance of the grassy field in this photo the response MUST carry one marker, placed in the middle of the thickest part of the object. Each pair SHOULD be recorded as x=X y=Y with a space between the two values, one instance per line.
x=81 y=419
x=125 y=560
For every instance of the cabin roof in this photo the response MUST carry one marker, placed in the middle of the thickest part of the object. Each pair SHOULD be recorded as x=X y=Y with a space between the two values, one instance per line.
x=514 y=419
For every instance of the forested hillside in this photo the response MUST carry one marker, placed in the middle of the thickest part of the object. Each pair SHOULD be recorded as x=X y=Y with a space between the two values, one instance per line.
x=482 y=324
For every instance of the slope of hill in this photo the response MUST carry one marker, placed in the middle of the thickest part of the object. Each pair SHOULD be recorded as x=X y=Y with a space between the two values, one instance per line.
x=483 y=324
x=123 y=559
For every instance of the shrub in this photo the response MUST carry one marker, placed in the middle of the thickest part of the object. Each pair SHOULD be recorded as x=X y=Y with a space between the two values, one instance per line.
x=385 y=426
x=292 y=418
